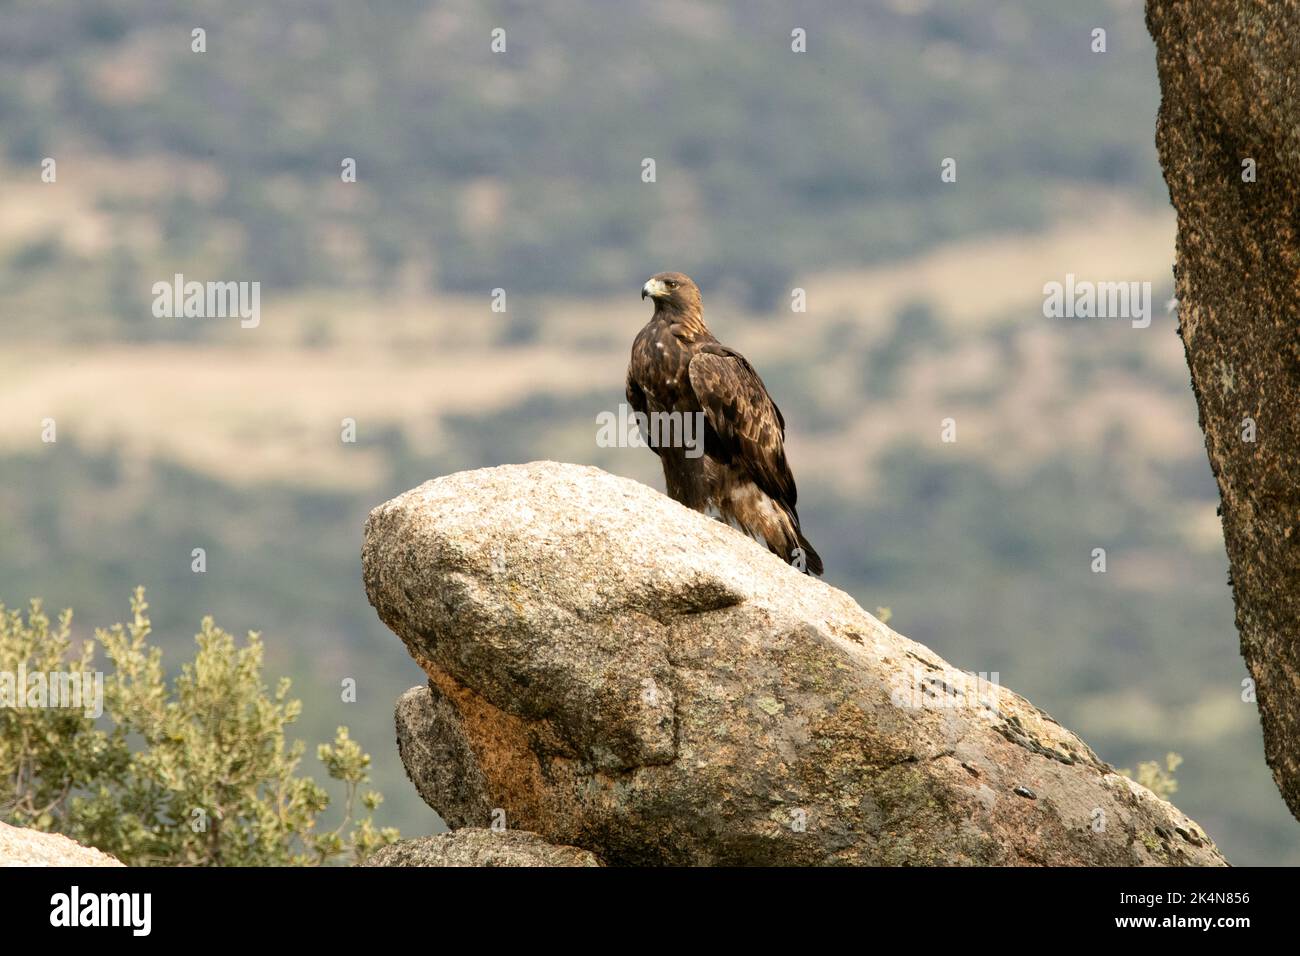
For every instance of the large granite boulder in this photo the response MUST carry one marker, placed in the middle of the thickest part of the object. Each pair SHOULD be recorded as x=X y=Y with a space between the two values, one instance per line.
x=615 y=672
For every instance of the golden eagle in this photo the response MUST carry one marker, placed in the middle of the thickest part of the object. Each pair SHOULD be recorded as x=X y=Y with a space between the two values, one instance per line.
x=741 y=475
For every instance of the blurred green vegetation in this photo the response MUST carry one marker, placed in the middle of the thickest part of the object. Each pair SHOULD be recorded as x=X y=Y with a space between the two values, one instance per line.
x=1157 y=777
x=196 y=773
x=523 y=169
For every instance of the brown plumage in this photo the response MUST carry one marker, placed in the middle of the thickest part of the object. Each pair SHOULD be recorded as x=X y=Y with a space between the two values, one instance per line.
x=742 y=476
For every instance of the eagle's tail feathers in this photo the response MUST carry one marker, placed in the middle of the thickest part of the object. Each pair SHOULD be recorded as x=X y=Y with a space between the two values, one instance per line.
x=812 y=560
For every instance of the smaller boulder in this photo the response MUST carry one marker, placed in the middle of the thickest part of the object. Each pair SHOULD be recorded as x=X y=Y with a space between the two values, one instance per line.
x=475 y=846
x=23 y=847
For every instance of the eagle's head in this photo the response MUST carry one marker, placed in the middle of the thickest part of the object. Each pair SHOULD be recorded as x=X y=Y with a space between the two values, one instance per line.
x=674 y=291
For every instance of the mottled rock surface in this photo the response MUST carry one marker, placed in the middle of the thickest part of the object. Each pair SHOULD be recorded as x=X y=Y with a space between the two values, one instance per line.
x=22 y=847
x=1229 y=141
x=616 y=672
x=479 y=847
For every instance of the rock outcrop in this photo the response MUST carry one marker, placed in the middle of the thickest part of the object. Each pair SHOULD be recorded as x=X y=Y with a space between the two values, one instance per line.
x=23 y=847
x=615 y=672
x=1229 y=143
x=474 y=846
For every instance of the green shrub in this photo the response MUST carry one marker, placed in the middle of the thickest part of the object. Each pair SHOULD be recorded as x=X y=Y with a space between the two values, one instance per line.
x=1159 y=780
x=198 y=773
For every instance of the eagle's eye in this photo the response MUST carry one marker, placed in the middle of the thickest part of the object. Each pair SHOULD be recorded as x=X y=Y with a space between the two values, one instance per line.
x=672 y=283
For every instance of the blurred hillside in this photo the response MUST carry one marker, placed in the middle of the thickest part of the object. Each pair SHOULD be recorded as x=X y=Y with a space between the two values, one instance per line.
x=523 y=171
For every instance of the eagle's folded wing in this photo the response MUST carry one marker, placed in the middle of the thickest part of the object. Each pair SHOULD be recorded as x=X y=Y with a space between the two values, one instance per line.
x=749 y=426
x=635 y=397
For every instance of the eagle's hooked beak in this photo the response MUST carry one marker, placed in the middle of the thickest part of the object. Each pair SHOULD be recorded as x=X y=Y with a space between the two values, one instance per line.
x=653 y=287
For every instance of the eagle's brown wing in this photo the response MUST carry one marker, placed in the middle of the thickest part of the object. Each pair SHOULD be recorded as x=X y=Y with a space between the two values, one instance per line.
x=635 y=397
x=750 y=428
x=635 y=394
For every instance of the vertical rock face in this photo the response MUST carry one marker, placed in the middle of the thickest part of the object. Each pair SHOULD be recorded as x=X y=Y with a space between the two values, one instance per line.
x=1230 y=114
x=617 y=673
